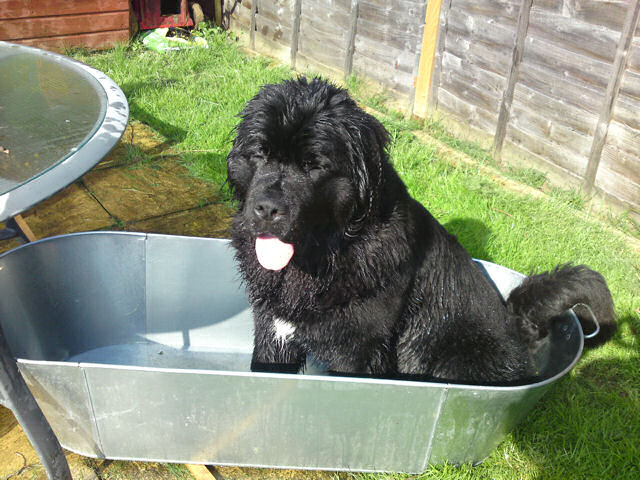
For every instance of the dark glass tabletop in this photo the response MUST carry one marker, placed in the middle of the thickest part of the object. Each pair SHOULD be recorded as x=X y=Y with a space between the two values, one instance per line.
x=58 y=118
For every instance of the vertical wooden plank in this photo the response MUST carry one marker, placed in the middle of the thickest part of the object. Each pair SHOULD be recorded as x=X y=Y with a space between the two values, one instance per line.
x=440 y=47
x=611 y=94
x=252 y=27
x=507 y=98
x=295 y=34
x=218 y=12
x=351 y=42
x=416 y=68
x=427 y=55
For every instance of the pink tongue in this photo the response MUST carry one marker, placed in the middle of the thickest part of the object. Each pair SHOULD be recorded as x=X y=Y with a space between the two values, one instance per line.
x=272 y=253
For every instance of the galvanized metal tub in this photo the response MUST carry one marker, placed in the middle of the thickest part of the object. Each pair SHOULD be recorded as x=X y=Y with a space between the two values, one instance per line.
x=138 y=347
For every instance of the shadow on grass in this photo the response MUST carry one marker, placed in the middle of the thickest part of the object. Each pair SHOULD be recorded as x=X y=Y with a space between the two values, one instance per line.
x=206 y=165
x=631 y=339
x=172 y=133
x=472 y=234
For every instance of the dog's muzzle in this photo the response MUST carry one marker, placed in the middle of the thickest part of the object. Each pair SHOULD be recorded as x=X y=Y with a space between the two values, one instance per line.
x=268 y=209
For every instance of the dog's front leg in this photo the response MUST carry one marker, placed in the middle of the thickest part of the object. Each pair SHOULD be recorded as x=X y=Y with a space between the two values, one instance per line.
x=275 y=348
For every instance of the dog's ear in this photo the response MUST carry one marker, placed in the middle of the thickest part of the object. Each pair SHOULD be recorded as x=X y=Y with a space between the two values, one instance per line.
x=369 y=153
x=256 y=120
x=238 y=171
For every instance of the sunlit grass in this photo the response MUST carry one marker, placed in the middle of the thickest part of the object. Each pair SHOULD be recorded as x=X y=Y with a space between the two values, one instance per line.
x=190 y=98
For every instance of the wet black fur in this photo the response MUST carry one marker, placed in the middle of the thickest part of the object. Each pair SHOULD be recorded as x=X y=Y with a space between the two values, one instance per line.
x=376 y=285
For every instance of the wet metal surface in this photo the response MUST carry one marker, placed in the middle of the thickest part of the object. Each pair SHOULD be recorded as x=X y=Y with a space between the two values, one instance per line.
x=138 y=347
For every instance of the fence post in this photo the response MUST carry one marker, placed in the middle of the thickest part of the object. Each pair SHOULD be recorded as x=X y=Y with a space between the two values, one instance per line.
x=351 y=41
x=252 y=26
x=295 y=33
x=611 y=94
x=441 y=44
x=507 y=98
x=427 y=55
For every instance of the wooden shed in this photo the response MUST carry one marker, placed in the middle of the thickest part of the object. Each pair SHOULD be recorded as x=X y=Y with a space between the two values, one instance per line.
x=59 y=24
x=551 y=84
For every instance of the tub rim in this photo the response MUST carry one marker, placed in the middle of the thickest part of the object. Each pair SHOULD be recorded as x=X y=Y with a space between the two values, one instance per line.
x=283 y=376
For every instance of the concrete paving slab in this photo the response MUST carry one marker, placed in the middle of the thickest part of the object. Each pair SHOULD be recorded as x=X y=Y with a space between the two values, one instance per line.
x=212 y=220
x=72 y=210
x=138 y=143
x=148 y=189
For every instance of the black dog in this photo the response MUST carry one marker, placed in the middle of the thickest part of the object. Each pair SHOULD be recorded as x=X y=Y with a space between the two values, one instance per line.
x=340 y=261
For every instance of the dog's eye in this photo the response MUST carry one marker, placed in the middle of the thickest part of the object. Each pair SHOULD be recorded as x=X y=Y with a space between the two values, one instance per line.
x=315 y=169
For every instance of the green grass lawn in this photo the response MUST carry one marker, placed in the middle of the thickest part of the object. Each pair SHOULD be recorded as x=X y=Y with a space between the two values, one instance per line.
x=588 y=425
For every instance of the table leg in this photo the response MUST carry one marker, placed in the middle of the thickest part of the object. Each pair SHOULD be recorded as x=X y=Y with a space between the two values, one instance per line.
x=24 y=228
x=15 y=395
x=17 y=226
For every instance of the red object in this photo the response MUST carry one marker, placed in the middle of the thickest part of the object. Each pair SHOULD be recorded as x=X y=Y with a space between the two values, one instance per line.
x=162 y=13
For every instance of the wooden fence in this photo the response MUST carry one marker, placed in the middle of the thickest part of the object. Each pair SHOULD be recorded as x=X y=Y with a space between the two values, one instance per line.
x=553 y=83
x=340 y=35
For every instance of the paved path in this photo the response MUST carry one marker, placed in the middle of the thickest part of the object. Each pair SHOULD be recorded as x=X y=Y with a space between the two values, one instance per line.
x=135 y=188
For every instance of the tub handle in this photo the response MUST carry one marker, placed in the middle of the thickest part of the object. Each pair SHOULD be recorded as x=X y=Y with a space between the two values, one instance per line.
x=593 y=318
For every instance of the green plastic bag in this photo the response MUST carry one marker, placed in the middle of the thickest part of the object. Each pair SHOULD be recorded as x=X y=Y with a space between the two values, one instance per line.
x=157 y=40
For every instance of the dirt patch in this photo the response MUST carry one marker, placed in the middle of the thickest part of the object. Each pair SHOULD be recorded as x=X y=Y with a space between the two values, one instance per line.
x=17 y=456
x=236 y=473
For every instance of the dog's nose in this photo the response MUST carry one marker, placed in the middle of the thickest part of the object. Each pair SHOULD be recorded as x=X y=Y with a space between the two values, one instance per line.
x=268 y=210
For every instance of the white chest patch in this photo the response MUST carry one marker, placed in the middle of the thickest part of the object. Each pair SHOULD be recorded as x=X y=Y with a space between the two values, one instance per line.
x=283 y=330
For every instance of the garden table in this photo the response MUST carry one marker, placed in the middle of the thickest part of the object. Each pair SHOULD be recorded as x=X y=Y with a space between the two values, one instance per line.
x=58 y=118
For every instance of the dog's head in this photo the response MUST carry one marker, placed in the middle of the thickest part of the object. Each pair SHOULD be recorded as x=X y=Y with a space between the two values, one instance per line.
x=306 y=168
